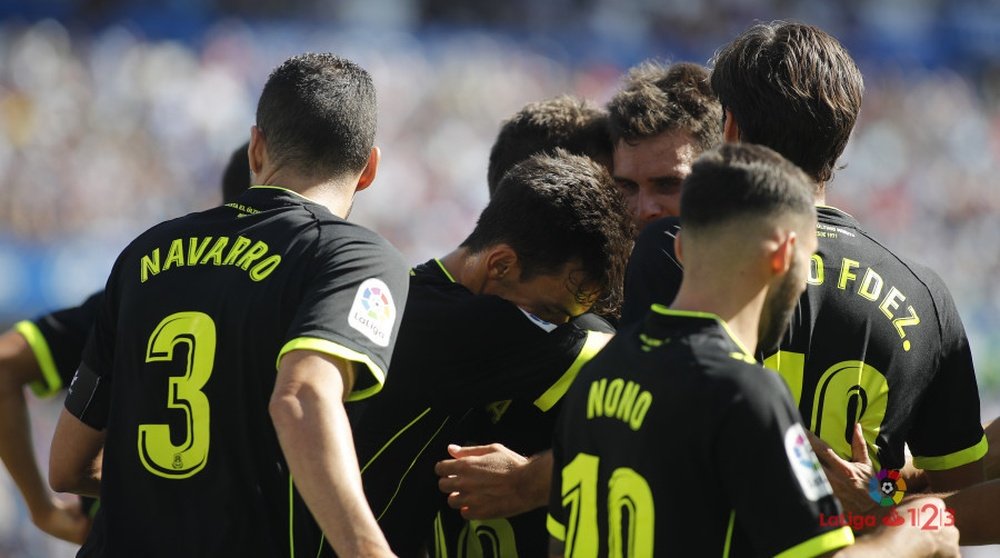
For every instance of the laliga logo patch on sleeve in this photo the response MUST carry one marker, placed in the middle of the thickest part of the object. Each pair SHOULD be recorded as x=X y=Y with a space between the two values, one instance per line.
x=373 y=312
x=805 y=465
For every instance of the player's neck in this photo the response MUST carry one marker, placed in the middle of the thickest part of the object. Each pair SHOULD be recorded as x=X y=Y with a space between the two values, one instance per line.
x=329 y=193
x=465 y=268
x=819 y=195
x=736 y=303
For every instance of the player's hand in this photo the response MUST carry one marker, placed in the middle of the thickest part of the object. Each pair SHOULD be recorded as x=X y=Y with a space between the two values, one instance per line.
x=849 y=479
x=483 y=481
x=63 y=520
x=937 y=540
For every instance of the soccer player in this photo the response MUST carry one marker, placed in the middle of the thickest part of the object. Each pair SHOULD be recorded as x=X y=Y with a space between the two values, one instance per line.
x=660 y=121
x=44 y=353
x=567 y=122
x=490 y=322
x=674 y=440
x=518 y=428
x=228 y=340
x=876 y=338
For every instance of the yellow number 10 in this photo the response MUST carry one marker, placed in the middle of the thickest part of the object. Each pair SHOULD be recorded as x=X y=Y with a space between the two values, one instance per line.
x=156 y=451
x=630 y=502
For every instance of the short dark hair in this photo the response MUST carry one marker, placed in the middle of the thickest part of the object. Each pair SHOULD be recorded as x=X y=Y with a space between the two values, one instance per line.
x=793 y=88
x=574 y=124
x=236 y=176
x=318 y=114
x=743 y=180
x=656 y=98
x=556 y=209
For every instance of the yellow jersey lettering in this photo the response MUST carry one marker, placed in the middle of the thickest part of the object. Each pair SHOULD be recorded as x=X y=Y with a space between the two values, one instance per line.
x=846 y=265
x=642 y=405
x=255 y=260
x=264 y=268
x=871 y=285
x=891 y=302
x=815 y=270
x=195 y=250
x=900 y=323
x=175 y=255
x=238 y=247
x=150 y=264
x=618 y=399
x=595 y=401
x=627 y=401
x=252 y=255
x=215 y=253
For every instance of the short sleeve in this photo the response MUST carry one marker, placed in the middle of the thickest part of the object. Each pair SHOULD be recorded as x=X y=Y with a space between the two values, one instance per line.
x=654 y=273
x=351 y=306
x=89 y=395
x=947 y=431
x=57 y=340
x=761 y=438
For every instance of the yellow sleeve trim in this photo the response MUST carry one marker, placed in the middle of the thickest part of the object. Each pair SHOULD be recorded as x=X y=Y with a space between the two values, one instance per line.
x=50 y=382
x=556 y=529
x=340 y=351
x=596 y=340
x=831 y=540
x=952 y=460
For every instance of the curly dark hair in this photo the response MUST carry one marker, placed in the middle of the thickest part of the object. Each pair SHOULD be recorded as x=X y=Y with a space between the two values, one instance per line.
x=793 y=88
x=556 y=209
x=656 y=98
x=572 y=123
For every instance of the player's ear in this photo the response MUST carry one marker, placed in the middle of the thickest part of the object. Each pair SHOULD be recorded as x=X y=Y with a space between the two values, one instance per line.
x=784 y=252
x=731 y=128
x=370 y=170
x=502 y=263
x=256 y=151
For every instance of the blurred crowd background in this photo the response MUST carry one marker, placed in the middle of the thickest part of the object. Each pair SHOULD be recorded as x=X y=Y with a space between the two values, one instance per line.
x=115 y=115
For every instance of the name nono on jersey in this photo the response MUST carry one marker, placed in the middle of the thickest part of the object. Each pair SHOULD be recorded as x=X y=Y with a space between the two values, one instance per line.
x=618 y=399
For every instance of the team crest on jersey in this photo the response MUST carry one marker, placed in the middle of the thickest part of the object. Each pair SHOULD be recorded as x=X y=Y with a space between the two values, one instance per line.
x=373 y=312
x=805 y=465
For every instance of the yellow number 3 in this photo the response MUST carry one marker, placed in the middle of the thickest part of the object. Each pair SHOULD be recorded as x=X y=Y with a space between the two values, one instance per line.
x=156 y=450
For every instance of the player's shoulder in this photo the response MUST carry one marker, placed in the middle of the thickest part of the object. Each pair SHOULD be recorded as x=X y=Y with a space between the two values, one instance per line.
x=658 y=235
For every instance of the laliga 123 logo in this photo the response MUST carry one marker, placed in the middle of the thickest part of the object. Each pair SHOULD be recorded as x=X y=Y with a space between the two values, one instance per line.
x=373 y=312
x=887 y=487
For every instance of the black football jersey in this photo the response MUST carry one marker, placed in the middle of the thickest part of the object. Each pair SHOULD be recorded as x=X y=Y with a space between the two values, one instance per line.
x=457 y=351
x=197 y=314
x=875 y=339
x=57 y=340
x=653 y=275
x=656 y=442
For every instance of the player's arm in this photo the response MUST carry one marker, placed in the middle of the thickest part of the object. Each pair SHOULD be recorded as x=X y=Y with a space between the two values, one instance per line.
x=993 y=454
x=492 y=481
x=309 y=417
x=18 y=368
x=74 y=462
x=976 y=509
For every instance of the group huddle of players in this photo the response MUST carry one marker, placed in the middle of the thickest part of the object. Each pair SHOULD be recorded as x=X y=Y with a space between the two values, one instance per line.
x=266 y=378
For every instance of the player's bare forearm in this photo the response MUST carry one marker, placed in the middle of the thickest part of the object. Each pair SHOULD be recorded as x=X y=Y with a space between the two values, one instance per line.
x=957 y=478
x=492 y=481
x=976 y=509
x=18 y=368
x=312 y=426
x=906 y=540
x=992 y=459
x=74 y=461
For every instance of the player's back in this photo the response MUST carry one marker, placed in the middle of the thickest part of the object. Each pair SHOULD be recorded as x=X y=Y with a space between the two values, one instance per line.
x=653 y=441
x=872 y=334
x=192 y=464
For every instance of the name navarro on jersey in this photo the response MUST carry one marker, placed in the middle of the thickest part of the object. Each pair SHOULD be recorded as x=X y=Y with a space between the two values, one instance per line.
x=869 y=288
x=618 y=399
x=243 y=253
